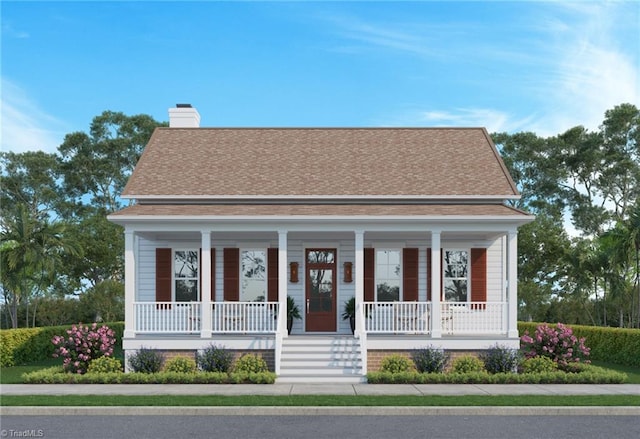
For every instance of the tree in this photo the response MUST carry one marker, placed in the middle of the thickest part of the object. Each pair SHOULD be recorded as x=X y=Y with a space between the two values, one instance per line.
x=31 y=248
x=29 y=179
x=97 y=165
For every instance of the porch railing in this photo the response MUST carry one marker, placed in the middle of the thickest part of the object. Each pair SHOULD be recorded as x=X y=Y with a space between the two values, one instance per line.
x=186 y=317
x=167 y=317
x=397 y=317
x=473 y=318
x=468 y=318
x=245 y=317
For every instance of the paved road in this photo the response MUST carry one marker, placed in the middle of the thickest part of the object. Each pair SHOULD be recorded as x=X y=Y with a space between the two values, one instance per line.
x=279 y=427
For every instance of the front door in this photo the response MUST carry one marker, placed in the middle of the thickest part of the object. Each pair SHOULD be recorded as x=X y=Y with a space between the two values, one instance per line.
x=320 y=295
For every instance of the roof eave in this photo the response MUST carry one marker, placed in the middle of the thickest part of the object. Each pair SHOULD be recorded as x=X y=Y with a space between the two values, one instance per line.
x=262 y=199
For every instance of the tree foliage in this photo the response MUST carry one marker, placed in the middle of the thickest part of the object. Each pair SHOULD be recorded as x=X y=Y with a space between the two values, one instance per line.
x=56 y=240
x=590 y=179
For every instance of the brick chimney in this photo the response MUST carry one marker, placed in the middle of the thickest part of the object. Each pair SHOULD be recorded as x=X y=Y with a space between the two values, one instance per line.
x=184 y=116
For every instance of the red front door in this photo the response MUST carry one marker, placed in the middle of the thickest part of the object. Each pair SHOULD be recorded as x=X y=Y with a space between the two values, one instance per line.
x=320 y=291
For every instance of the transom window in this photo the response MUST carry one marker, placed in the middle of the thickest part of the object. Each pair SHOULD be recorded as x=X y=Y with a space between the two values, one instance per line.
x=456 y=275
x=388 y=275
x=185 y=275
x=253 y=275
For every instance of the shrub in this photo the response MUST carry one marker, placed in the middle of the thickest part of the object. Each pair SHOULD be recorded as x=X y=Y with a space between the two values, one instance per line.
x=614 y=345
x=105 y=365
x=83 y=345
x=146 y=360
x=214 y=359
x=430 y=359
x=56 y=375
x=396 y=363
x=539 y=365
x=500 y=359
x=591 y=375
x=557 y=343
x=180 y=365
x=250 y=363
x=28 y=345
x=467 y=364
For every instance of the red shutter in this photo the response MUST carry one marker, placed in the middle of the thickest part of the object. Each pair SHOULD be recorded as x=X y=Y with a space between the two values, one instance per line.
x=213 y=274
x=369 y=275
x=272 y=275
x=231 y=274
x=163 y=276
x=410 y=274
x=429 y=275
x=479 y=275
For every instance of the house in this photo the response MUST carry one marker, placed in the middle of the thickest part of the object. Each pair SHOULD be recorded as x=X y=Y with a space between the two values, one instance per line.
x=228 y=222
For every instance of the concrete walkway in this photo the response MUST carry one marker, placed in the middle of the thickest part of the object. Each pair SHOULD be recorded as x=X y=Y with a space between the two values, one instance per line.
x=320 y=389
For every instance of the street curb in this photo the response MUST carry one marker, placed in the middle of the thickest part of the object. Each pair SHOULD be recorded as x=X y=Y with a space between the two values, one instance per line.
x=319 y=411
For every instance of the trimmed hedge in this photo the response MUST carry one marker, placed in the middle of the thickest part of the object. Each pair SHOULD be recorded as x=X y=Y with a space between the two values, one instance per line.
x=613 y=345
x=55 y=375
x=29 y=345
x=591 y=375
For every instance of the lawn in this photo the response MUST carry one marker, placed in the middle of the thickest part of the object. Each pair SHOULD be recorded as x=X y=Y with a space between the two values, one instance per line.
x=321 y=400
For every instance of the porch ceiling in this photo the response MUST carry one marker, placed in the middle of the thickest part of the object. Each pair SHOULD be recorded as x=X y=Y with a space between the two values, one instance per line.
x=261 y=236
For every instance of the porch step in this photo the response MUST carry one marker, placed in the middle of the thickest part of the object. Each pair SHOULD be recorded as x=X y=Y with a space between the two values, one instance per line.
x=321 y=359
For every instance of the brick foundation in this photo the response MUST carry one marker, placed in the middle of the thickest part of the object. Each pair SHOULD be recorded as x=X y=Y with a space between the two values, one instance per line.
x=374 y=357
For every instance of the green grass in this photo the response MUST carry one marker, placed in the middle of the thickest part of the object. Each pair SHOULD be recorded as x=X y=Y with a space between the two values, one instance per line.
x=320 y=400
x=13 y=375
x=633 y=373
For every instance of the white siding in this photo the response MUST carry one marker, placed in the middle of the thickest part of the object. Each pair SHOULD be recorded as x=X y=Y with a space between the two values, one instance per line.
x=145 y=266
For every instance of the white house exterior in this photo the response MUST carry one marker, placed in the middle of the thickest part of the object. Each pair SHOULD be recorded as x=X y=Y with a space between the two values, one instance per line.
x=228 y=222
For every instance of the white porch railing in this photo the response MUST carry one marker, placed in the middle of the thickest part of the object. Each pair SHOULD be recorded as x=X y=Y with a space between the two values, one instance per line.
x=469 y=318
x=245 y=317
x=397 y=317
x=186 y=317
x=474 y=318
x=167 y=317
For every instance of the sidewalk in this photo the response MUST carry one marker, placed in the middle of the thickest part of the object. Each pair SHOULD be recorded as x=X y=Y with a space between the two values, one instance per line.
x=425 y=390
x=320 y=389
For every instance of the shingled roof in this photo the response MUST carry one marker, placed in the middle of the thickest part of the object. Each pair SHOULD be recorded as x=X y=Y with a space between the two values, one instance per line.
x=320 y=162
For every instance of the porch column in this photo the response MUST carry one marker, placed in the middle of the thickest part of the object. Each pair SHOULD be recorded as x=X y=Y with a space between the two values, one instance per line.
x=436 y=274
x=512 y=284
x=282 y=282
x=359 y=283
x=129 y=284
x=205 y=291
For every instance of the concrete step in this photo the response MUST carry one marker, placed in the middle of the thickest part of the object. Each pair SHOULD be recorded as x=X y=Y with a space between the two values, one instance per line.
x=329 y=371
x=315 y=379
x=321 y=359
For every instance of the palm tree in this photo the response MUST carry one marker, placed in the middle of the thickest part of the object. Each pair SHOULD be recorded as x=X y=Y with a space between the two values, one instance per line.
x=624 y=242
x=31 y=250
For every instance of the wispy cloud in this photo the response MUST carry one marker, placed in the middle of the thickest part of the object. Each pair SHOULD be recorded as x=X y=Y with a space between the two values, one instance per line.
x=26 y=127
x=8 y=31
x=593 y=67
x=493 y=120
x=566 y=64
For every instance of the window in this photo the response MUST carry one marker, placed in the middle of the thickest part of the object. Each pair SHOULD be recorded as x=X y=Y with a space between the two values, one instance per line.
x=185 y=275
x=388 y=275
x=253 y=275
x=456 y=275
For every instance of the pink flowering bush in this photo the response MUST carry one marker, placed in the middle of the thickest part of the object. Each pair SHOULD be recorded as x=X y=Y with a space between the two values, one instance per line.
x=83 y=344
x=557 y=343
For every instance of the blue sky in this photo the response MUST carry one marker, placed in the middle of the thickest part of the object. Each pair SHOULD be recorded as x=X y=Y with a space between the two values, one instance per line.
x=509 y=66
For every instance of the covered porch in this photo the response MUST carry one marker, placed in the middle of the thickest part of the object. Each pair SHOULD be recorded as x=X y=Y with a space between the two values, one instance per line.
x=214 y=312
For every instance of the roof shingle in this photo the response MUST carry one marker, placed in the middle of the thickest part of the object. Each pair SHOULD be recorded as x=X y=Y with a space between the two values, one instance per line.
x=303 y=162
